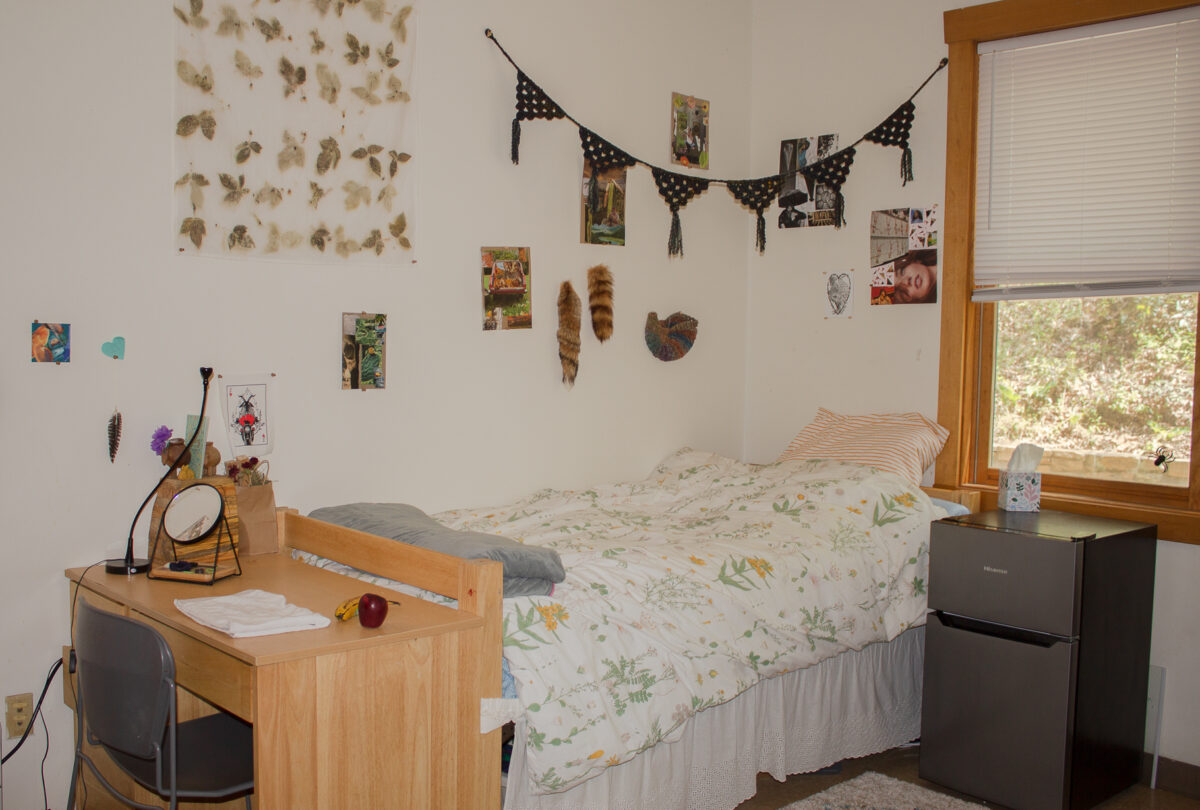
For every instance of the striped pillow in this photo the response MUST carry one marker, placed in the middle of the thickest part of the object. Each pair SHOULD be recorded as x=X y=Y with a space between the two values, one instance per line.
x=902 y=443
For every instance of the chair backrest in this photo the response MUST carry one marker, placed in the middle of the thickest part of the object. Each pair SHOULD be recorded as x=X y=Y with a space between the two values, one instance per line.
x=126 y=680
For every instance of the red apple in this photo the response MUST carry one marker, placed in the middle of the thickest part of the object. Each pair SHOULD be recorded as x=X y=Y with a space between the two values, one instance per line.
x=372 y=609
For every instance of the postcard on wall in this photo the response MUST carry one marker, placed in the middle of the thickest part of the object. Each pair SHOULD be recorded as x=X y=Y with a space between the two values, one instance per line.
x=689 y=131
x=904 y=261
x=802 y=202
x=839 y=294
x=246 y=406
x=507 y=290
x=51 y=342
x=602 y=209
x=364 y=336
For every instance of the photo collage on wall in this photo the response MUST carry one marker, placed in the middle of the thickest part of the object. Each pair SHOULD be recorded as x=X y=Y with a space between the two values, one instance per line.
x=689 y=131
x=364 y=336
x=507 y=298
x=904 y=256
x=602 y=207
x=802 y=202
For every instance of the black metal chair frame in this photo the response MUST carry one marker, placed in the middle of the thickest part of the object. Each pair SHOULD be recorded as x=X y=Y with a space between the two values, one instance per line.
x=109 y=649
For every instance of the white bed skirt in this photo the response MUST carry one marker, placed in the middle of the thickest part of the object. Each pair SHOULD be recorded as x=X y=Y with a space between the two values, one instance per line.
x=852 y=705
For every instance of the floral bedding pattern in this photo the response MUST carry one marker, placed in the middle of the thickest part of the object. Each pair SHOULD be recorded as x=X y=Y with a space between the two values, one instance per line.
x=687 y=587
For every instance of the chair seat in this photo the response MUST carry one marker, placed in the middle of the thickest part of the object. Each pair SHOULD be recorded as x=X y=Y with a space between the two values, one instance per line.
x=216 y=758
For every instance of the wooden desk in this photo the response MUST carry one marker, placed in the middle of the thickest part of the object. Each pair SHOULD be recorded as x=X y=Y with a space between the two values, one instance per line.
x=344 y=717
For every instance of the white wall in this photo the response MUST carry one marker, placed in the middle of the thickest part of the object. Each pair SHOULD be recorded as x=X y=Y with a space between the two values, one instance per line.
x=821 y=67
x=467 y=417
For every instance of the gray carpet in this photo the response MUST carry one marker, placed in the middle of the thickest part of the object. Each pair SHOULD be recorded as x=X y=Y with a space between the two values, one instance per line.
x=873 y=791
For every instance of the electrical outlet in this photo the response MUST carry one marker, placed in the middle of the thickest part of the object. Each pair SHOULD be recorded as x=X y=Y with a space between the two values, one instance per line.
x=18 y=713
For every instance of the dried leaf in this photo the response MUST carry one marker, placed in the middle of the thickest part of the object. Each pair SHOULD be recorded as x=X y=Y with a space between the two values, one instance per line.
x=269 y=195
x=329 y=81
x=246 y=67
x=404 y=243
x=356 y=194
x=318 y=238
x=240 y=237
x=193 y=17
x=246 y=149
x=396 y=90
x=386 y=55
x=359 y=153
x=317 y=193
x=232 y=24
x=292 y=153
x=293 y=75
x=208 y=125
x=385 y=196
x=193 y=229
x=201 y=80
x=367 y=93
x=374 y=165
x=398 y=225
x=375 y=9
x=359 y=51
x=343 y=245
x=270 y=30
x=321 y=6
x=187 y=125
x=329 y=157
x=236 y=188
x=398 y=23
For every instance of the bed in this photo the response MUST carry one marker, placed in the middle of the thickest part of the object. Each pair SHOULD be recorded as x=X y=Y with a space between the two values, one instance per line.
x=717 y=619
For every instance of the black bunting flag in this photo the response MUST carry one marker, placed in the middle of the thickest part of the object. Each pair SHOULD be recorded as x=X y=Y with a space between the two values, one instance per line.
x=677 y=189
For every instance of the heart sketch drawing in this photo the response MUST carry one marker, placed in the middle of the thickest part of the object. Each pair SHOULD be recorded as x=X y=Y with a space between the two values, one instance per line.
x=837 y=288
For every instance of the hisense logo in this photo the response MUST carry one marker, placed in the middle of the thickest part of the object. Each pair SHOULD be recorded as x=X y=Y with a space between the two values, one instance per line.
x=991 y=570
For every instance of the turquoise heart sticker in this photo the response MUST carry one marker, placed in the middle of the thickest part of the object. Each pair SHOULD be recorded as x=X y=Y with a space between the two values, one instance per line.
x=114 y=348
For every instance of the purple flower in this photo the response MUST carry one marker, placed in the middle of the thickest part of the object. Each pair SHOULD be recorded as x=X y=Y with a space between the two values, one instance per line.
x=158 y=442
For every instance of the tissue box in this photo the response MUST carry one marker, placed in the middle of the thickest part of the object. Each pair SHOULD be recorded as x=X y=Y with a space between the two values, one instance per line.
x=1019 y=491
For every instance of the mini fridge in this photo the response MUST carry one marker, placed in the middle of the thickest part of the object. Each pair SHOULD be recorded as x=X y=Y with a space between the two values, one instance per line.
x=1037 y=655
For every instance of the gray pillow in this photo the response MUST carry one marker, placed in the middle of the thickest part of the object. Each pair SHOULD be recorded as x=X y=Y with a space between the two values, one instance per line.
x=528 y=570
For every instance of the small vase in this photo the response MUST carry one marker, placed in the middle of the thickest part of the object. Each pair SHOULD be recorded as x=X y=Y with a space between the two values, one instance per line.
x=171 y=452
x=212 y=458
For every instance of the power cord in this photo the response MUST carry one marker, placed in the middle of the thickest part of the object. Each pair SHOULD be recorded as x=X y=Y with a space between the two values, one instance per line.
x=37 y=712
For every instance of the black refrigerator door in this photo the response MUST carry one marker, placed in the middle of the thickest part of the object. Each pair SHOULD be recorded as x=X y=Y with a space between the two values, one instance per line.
x=997 y=713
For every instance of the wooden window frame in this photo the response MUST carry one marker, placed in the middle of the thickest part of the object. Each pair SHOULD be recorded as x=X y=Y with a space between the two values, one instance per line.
x=965 y=323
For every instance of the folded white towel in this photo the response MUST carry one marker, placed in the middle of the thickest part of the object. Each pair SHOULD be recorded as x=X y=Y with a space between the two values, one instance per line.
x=250 y=613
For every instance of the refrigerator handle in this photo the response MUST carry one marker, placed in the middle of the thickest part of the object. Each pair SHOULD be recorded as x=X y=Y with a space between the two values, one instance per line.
x=1004 y=631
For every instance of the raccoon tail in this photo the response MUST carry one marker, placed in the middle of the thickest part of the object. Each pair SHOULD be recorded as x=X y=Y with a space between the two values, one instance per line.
x=600 y=300
x=569 y=309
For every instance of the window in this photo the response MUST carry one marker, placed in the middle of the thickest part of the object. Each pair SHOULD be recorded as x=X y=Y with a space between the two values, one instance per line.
x=1042 y=203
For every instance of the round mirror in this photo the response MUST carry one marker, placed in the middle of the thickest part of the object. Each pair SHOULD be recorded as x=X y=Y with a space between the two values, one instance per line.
x=193 y=513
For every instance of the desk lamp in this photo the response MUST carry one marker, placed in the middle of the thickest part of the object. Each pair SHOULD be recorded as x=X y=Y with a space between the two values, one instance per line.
x=127 y=564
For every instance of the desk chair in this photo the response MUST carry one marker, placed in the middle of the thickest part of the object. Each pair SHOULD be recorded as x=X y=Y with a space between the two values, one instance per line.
x=126 y=704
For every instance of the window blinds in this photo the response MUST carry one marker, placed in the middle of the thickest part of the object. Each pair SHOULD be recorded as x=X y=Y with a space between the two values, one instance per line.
x=1088 y=161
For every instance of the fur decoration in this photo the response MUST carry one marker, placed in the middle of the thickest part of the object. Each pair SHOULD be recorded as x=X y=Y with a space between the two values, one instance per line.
x=600 y=300
x=672 y=338
x=569 y=309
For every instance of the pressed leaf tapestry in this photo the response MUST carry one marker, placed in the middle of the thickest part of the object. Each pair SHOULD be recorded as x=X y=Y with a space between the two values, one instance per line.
x=293 y=123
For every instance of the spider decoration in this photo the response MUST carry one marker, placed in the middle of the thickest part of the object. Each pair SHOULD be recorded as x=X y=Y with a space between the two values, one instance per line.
x=1163 y=457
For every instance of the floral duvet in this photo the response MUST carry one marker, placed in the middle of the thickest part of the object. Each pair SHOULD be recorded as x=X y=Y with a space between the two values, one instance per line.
x=687 y=587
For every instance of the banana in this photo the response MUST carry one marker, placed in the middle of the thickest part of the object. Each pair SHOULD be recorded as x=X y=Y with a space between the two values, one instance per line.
x=347 y=610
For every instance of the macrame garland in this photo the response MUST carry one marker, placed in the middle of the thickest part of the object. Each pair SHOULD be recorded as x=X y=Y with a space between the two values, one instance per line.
x=601 y=156
x=569 y=309
x=677 y=189
x=894 y=132
x=532 y=102
x=832 y=171
x=757 y=195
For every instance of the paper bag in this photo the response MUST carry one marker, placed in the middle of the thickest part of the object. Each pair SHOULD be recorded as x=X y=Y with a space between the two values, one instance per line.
x=256 y=517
